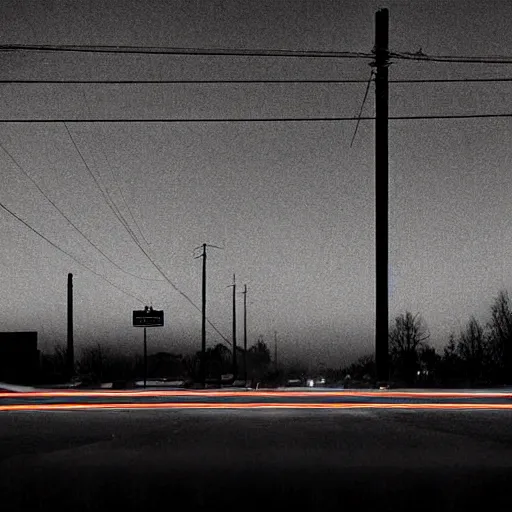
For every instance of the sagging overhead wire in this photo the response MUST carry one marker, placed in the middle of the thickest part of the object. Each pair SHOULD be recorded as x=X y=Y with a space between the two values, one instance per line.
x=184 y=82
x=68 y=220
x=117 y=212
x=70 y=255
x=420 y=56
x=249 y=82
x=168 y=50
x=252 y=52
x=449 y=80
x=113 y=207
x=362 y=107
x=151 y=260
x=127 y=206
x=158 y=268
x=322 y=119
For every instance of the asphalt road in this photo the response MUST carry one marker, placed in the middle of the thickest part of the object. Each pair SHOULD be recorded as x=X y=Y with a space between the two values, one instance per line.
x=255 y=459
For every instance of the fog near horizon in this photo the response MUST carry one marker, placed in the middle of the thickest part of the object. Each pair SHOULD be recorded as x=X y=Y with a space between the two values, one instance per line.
x=292 y=204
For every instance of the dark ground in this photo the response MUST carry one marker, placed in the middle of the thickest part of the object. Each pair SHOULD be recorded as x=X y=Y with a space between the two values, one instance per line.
x=149 y=460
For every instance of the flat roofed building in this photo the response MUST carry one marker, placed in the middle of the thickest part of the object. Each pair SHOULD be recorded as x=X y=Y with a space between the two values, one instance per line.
x=19 y=357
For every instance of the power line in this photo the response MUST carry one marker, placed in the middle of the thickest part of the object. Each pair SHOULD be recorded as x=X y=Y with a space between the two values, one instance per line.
x=108 y=201
x=123 y=198
x=166 y=50
x=132 y=234
x=420 y=56
x=68 y=254
x=255 y=82
x=362 y=107
x=257 y=120
x=18 y=165
x=85 y=266
x=106 y=197
x=451 y=116
x=448 y=80
x=117 y=212
x=183 y=294
x=121 y=82
x=251 y=52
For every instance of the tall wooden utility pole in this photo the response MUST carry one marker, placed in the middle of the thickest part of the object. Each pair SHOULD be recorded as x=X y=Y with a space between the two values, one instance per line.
x=70 y=346
x=381 y=191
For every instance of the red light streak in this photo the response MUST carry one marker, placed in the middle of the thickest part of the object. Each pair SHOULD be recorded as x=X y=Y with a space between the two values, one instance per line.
x=162 y=393
x=185 y=405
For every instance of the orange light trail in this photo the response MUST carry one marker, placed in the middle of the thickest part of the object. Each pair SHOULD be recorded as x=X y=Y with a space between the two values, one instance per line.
x=185 y=405
x=163 y=393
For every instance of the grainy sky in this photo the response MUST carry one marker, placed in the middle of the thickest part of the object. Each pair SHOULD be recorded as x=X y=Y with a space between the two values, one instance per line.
x=291 y=203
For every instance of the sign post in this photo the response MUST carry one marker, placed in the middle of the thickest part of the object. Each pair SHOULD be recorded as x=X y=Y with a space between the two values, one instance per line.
x=148 y=317
x=145 y=359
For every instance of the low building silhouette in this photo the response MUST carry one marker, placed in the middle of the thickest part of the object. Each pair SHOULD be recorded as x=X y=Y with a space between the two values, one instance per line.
x=19 y=357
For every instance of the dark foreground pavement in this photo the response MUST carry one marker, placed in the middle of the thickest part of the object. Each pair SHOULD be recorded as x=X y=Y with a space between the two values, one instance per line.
x=152 y=460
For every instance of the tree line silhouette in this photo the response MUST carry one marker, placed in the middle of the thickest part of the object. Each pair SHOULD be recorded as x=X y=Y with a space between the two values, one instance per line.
x=98 y=364
x=479 y=355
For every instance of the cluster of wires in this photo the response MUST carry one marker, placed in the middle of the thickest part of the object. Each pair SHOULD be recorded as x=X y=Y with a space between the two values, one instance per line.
x=138 y=237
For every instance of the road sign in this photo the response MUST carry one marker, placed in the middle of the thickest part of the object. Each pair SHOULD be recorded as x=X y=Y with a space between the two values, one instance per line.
x=148 y=317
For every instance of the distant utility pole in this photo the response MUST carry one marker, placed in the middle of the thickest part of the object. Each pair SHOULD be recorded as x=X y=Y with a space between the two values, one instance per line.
x=145 y=357
x=203 y=325
x=70 y=349
x=275 y=349
x=381 y=191
x=234 y=328
x=245 y=332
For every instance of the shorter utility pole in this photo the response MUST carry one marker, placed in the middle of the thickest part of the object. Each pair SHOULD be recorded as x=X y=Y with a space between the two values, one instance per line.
x=245 y=333
x=70 y=346
x=203 y=324
x=234 y=328
x=275 y=350
x=145 y=358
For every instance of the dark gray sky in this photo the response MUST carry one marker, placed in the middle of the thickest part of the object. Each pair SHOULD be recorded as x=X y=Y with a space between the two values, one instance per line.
x=292 y=203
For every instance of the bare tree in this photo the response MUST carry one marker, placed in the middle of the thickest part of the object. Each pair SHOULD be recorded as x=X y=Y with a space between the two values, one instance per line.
x=429 y=362
x=406 y=338
x=92 y=362
x=191 y=365
x=258 y=359
x=362 y=369
x=54 y=365
x=451 y=364
x=500 y=337
x=471 y=349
